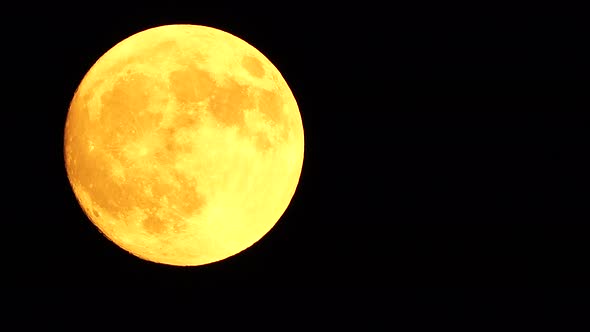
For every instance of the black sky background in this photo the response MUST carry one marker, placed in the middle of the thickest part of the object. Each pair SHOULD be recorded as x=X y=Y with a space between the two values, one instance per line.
x=445 y=147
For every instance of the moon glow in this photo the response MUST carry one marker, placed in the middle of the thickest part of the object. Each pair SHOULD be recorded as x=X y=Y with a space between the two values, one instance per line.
x=183 y=144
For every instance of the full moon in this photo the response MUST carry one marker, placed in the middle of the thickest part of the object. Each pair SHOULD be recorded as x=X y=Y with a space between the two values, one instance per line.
x=183 y=144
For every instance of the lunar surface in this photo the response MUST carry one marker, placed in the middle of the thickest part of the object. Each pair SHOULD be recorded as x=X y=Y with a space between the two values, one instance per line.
x=183 y=144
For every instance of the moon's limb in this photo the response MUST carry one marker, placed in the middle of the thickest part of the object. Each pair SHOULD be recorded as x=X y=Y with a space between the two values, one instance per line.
x=183 y=144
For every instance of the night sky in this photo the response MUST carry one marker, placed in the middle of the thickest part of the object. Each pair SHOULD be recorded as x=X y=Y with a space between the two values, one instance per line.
x=445 y=147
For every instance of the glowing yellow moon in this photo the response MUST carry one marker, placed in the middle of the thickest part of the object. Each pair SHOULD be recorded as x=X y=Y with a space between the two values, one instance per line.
x=183 y=144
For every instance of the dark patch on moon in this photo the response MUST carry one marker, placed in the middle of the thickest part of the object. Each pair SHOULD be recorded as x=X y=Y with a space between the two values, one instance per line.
x=124 y=107
x=153 y=224
x=253 y=66
x=228 y=103
x=270 y=103
x=191 y=84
